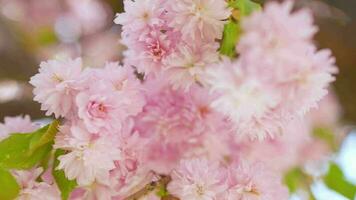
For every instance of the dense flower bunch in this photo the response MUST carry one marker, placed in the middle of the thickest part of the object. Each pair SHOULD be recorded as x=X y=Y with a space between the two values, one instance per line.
x=219 y=127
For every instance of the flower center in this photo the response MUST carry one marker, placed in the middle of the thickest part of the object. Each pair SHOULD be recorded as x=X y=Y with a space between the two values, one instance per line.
x=199 y=190
x=97 y=110
x=57 y=78
x=156 y=51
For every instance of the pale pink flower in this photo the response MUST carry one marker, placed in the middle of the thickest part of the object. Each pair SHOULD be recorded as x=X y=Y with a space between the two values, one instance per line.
x=269 y=32
x=148 y=51
x=197 y=179
x=115 y=96
x=244 y=98
x=18 y=124
x=287 y=58
x=40 y=191
x=186 y=66
x=33 y=190
x=54 y=85
x=173 y=121
x=131 y=164
x=90 y=157
x=199 y=18
x=255 y=182
x=310 y=83
x=139 y=14
x=280 y=153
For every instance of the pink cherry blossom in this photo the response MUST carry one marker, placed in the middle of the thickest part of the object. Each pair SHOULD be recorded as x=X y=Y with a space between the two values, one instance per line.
x=33 y=190
x=149 y=50
x=18 y=124
x=244 y=98
x=54 y=85
x=199 y=18
x=187 y=66
x=139 y=14
x=89 y=158
x=115 y=96
x=255 y=182
x=173 y=121
x=197 y=179
x=288 y=59
x=131 y=164
x=283 y=152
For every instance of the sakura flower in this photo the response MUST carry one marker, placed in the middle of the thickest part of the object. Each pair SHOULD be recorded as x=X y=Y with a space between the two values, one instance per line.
x=54 y=85
x=200 y=18
x=172 y=121
x=197 y=179
x=310 y=83
x=148 y=52
x=114 y=97
x=33 y=190
x=288 y=59
x=89 y=158
x=131 y=164
x=186 y=66
x=271 y=35
x=41 y=191
x=280 y=153
x=18 y=124
x=254 y=182
x=139 y=14
x=242 y=97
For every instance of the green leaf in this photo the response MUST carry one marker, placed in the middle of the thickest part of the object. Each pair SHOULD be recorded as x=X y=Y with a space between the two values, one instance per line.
x=231 y=34
x=326 y=135
x=9 y=188
x=296 y=179
x=66 y=186
x=245 y=7
x=232 y=29
x=293 y=179
x=44 y=135
x=335 y=180
x=24 y=151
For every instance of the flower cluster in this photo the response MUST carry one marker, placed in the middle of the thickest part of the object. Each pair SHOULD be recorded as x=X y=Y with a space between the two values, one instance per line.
x=178 y=109
x=175 y=38
x=279 y=75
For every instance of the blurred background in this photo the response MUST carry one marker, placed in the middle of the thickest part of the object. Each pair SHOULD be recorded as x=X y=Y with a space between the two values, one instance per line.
x=35 y=30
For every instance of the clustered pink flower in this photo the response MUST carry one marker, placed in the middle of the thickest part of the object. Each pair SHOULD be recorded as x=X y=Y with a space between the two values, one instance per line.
x=202 y=179
x=178 y=108
x=279 y=75
x=176 y=38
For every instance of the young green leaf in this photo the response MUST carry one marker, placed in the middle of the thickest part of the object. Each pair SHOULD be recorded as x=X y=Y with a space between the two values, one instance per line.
x=24 y=151
x=9 y=188
x=66 y=186
x=232 y=29
x=335 y=180
x=44 y=135
x=230 y=36
x=326 y=135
